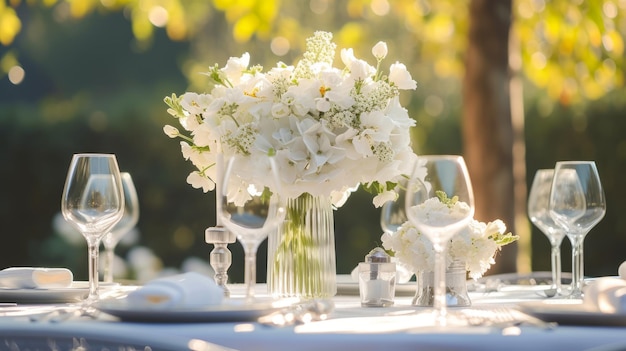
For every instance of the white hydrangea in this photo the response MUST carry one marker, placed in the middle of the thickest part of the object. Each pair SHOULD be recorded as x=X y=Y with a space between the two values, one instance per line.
x=476 y=245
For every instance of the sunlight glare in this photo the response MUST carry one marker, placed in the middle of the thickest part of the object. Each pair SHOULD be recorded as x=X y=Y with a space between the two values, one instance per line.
x=280 y=46
x=539 y=60
x=524 y=10
x=380 y=7
x=244 y=328
x=609 y=9
x=16 y=75
x=253 y=191
x=158 y=16
x=319 y=7
x=538 y=5
x=607 y=42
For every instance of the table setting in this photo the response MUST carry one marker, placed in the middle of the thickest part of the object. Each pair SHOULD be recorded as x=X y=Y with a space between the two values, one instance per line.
x=494 y=316
x=282 y=149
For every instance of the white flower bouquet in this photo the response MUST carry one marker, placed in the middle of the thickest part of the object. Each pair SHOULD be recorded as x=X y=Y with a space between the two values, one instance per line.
x=475 y=245
x=329 y=129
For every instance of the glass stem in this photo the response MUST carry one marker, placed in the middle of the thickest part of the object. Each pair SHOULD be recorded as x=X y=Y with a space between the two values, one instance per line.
x=577 y=267
x=250 y=270
x=439 y=302
x=109 y=257
x=556 y=267
x=93 y=270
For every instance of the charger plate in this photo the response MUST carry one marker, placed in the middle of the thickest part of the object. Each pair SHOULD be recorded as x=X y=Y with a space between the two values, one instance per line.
x=571 y=312
x=78 y=291
x=230 y=310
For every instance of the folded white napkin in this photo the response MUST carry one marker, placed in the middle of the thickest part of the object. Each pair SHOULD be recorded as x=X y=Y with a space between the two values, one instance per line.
x=35 y=277
x=183 y=290
x=606 y=294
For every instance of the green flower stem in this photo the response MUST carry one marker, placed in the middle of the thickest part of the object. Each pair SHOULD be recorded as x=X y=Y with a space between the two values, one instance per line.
x=299 y=263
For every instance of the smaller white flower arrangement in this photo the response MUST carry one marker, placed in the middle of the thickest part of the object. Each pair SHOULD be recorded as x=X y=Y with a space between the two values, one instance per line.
x=476 y=245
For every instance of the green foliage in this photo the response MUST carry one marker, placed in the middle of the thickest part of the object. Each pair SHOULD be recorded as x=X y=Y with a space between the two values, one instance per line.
x=572 y=50
x=95 y=84
x=443 y=197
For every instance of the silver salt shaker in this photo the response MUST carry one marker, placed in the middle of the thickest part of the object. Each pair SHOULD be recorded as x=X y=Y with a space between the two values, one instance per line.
x=377 y=279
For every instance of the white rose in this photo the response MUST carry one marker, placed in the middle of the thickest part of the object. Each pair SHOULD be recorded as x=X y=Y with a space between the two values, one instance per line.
x=347 y=57
x=280 y=110
x=399 y=76
x=197 y=181
x=170 y=131
x=380 y=199
x=380 y=50
x=235 y=67
x=322 y=104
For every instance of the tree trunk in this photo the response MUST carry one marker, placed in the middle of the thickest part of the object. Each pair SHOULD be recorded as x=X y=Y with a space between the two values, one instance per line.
x=487 y=125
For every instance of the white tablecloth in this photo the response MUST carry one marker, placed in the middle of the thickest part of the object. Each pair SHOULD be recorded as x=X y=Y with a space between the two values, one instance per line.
x=350 y=327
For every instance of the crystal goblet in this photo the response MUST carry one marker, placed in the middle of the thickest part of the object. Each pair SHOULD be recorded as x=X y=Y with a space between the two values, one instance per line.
x=539 y=214
x=577 y=204
x=93 y=202
x=439 y=203
x=250 y=211
x=128 y=222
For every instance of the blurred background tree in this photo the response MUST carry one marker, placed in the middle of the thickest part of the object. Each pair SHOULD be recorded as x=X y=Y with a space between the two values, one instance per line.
x=90 y=75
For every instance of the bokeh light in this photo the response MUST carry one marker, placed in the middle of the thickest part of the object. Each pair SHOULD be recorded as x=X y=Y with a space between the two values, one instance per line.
x=280 y=46
x=158 y=16
x=16 y=75
x=380 y=7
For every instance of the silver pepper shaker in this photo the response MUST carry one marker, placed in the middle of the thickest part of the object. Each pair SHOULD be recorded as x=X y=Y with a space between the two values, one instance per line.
x=377 y=279
x=220 y=258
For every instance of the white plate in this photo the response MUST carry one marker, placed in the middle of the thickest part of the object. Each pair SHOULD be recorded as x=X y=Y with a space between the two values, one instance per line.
x=231 y=310
x=571 y=312
x=76 y=292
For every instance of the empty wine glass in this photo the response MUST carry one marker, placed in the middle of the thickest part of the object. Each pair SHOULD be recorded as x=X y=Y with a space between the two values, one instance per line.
x=128 y=221
x=93 y=202
x=392 y=214
x=439 y=203
x=577 y=204
x=249 y=212
x=539 y=213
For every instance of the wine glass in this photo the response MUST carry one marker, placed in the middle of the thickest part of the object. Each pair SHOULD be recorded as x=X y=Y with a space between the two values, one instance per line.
x=577 y=204
x=93 y=202
x=392 y=214
x=539 y=213
x=249 y=212
x=128 y=221
x=439 y=203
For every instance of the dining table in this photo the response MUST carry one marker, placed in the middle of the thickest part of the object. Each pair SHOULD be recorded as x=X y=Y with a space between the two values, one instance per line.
x=501 y=317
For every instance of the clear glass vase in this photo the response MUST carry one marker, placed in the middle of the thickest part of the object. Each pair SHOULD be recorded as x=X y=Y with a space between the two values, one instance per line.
x=456 y=287
x=301 y=252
